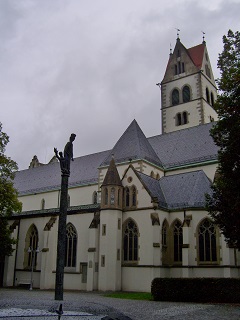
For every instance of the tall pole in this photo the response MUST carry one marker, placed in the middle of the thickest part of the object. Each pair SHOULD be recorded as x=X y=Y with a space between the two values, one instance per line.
x=61 y=245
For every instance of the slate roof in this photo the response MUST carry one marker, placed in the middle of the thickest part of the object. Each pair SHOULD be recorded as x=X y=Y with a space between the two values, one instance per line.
x=179 y=191
x=112 y=175
x=184 y=147
x=132 y=145
x=84 y=170
x=170 y=150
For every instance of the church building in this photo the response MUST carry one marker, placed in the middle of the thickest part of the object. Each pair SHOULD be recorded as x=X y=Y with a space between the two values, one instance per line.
x=137 y=211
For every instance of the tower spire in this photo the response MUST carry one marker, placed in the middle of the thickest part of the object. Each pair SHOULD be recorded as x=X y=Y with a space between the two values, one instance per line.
x=178 y=30
x=203 y=37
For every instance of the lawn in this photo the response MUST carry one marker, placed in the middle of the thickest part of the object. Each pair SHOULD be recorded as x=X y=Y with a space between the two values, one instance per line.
x=130 y=295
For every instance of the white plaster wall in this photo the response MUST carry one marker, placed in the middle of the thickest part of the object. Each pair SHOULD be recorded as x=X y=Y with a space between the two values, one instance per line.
x=138 y=279
x=34 y=201
x=78 y=196
x=82 y=195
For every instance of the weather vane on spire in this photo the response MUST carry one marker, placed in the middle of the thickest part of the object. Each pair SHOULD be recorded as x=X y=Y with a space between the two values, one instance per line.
x=177 y=32
x=203 y=36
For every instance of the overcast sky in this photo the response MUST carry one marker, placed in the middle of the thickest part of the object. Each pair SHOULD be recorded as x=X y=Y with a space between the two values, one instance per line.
x=91 y=67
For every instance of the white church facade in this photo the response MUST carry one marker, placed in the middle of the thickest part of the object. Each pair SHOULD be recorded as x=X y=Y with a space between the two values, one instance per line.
x=137 y=211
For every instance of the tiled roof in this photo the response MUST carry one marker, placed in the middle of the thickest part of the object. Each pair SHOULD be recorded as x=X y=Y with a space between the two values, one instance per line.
x=180 y=148
x=84 y=170
x=196 y=54
x=132 y=145
x=179 y=191
x=184 y=147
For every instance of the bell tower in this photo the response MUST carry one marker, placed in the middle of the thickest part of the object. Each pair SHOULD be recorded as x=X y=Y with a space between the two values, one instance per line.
x=188 y=89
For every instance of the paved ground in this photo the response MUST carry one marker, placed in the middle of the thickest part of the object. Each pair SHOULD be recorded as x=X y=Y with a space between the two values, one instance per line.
x=98 y=306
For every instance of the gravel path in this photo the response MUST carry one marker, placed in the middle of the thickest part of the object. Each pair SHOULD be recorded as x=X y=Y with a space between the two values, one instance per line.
x=99 y=306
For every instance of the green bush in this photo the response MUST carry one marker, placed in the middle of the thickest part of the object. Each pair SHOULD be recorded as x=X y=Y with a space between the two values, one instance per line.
x=196 y=289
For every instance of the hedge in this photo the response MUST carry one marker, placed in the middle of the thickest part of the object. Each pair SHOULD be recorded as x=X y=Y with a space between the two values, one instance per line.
x=196 y=289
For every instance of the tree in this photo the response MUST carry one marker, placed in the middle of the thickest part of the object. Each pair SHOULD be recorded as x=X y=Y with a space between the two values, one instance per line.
x=224 y=203
x=8 y=197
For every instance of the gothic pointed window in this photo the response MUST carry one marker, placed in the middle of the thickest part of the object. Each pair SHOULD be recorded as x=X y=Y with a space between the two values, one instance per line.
x=183 y=67
x=207 y=242
x=68 y=200
x=127 y=197
x=112 y=196
x=165 y=244
x=31 y=245
x=179 y=67
x=207 y=95
x=176 y=69
x=71 y=246
x=186 y=94
x=105 y=196
x=175 y=97
x=177 y=242
x=134 y=195
x=130 y=242
x=119 y=197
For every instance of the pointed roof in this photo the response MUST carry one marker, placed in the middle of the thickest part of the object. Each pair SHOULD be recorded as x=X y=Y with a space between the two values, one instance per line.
x=132 y=145
x=194 y=56
x=196 y=53
x=112 y=176
x=179 y=191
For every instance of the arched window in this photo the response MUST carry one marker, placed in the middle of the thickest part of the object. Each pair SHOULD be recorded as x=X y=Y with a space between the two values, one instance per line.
x=177 y=241
x=95 y=197
x=31 y=245
x=105 y=196
x=175 y=97
x=165 y=244
x=119 y=197
x=186 y=94
x=207 y=95
x=207 y=242
x=212 y=99
x=71 y=246
x=112 y=196
x=184 y=118
x=134 y=196
x=157 y=176
x=164 y=233
x=130 y=241
x=152 y=174
x=178 y=119
x=127 y=197
x=68 y=200
x=43 y=204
